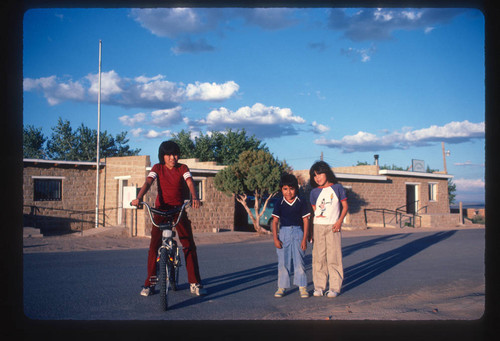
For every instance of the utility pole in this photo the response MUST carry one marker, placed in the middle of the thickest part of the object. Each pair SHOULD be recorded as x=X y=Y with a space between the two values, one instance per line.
x=98 y=142
x=321 y=157
x=445 y=154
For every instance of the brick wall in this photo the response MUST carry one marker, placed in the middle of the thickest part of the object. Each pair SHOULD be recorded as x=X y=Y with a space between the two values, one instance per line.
x=132 y=171
x=76 y=210
x=216 y=211
x=474 y=212
x=390 y=194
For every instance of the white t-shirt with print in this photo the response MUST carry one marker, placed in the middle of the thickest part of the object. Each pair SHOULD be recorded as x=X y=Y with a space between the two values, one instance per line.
x=327 y=201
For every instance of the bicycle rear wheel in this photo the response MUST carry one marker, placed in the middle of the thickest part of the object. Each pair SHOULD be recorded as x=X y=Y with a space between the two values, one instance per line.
x=164 y=276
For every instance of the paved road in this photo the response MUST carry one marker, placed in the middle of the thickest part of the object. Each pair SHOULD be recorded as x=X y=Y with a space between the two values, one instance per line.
x=241 y=279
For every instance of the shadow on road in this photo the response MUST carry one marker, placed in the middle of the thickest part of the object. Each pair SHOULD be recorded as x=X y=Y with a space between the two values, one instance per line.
x=350 y=249
x=358 y=274
x=240 y=281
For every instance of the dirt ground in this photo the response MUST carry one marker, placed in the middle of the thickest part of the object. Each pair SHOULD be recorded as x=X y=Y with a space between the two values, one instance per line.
x=427 y=304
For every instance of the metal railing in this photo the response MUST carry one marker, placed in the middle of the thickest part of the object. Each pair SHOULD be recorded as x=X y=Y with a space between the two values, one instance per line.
x=398 y=215
x=72 y=218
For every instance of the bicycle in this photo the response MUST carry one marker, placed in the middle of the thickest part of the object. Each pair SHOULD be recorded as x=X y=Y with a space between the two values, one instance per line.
x=168 y=260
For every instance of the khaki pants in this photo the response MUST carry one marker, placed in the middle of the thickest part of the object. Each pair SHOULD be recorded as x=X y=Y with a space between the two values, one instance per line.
x=327 y=258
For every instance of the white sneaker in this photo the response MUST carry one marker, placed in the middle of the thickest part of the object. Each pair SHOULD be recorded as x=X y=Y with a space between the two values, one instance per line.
x=331 y=294
x=318 y=293
x=197 y=289
x=147 y=291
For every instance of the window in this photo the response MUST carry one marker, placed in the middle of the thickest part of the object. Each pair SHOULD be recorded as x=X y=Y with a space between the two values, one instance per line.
x=432 y=191
x=198 y=185
x=47 y=189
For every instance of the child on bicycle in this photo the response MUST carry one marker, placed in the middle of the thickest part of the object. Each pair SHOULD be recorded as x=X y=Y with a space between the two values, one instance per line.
x=329 y=203
x=170 y=176
x=293 y=214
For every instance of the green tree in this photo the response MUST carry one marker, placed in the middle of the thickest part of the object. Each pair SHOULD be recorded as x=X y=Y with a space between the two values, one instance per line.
x=256 y=172
x=33 y=141
x=186 y=145
x=230 y=144
x=75 y=145
x=61 y=145
x=391 y=167
x=221 y=147
x=452 y=190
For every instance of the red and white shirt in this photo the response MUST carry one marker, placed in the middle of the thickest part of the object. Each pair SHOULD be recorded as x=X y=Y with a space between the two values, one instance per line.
x=170 y=183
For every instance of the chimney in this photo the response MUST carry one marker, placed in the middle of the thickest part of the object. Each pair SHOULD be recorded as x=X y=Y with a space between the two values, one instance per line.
x=376 y=159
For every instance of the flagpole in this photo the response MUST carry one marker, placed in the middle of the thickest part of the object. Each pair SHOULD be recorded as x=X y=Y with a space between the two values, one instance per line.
x=98 y=144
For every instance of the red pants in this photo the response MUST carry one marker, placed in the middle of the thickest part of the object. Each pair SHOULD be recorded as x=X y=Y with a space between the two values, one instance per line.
x=185 y=234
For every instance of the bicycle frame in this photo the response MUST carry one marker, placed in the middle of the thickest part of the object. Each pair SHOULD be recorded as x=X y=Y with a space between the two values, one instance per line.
x=168 y=257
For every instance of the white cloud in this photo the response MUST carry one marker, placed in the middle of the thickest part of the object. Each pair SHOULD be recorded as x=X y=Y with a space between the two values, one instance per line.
x=111 y=85
x=319 y=128
x=429 y=29
x=469 y=185
x=269 y=18
x=150 y=134
x=453 y=132
x=166 y=117
x=379 y=24
x=141 y=91
x=178 y=22
x=364 y=54
x=170 y=22
x=257 y=114
x=132 y=121
x=153 y=134
x=468 y=163
x=261 y=120
x=136 y=132
x=157 y=118
x=55 y=91
x=211 y=91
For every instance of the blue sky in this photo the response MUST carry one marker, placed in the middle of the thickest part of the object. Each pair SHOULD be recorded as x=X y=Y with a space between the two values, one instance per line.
x=348 y=83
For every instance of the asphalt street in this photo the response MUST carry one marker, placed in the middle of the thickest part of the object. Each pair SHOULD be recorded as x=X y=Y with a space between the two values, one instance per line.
x=241 y=279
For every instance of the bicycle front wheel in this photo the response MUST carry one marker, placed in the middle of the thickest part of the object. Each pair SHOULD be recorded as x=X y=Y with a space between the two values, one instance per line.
x=164 y=276
x=174 y=267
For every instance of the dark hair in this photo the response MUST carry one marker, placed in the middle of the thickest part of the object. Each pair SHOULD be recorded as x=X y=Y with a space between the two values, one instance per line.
x=168 y=148
x=289 y=180
x=321 y=167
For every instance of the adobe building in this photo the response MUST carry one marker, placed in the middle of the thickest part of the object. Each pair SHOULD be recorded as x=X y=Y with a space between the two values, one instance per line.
x=60 y=196
x=391 y=198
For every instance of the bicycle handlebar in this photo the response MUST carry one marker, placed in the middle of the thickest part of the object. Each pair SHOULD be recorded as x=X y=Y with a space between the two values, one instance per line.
x=170 y=213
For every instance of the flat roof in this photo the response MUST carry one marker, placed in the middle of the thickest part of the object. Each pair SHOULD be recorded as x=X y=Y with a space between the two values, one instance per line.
x=415 y=174
x=346 y=176
x=63 y=162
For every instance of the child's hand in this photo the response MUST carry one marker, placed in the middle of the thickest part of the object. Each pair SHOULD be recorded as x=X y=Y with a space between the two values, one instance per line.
x=135 y=202
x=337 y=226
x=303 y=245
x=195 y=203
x=278 y=243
